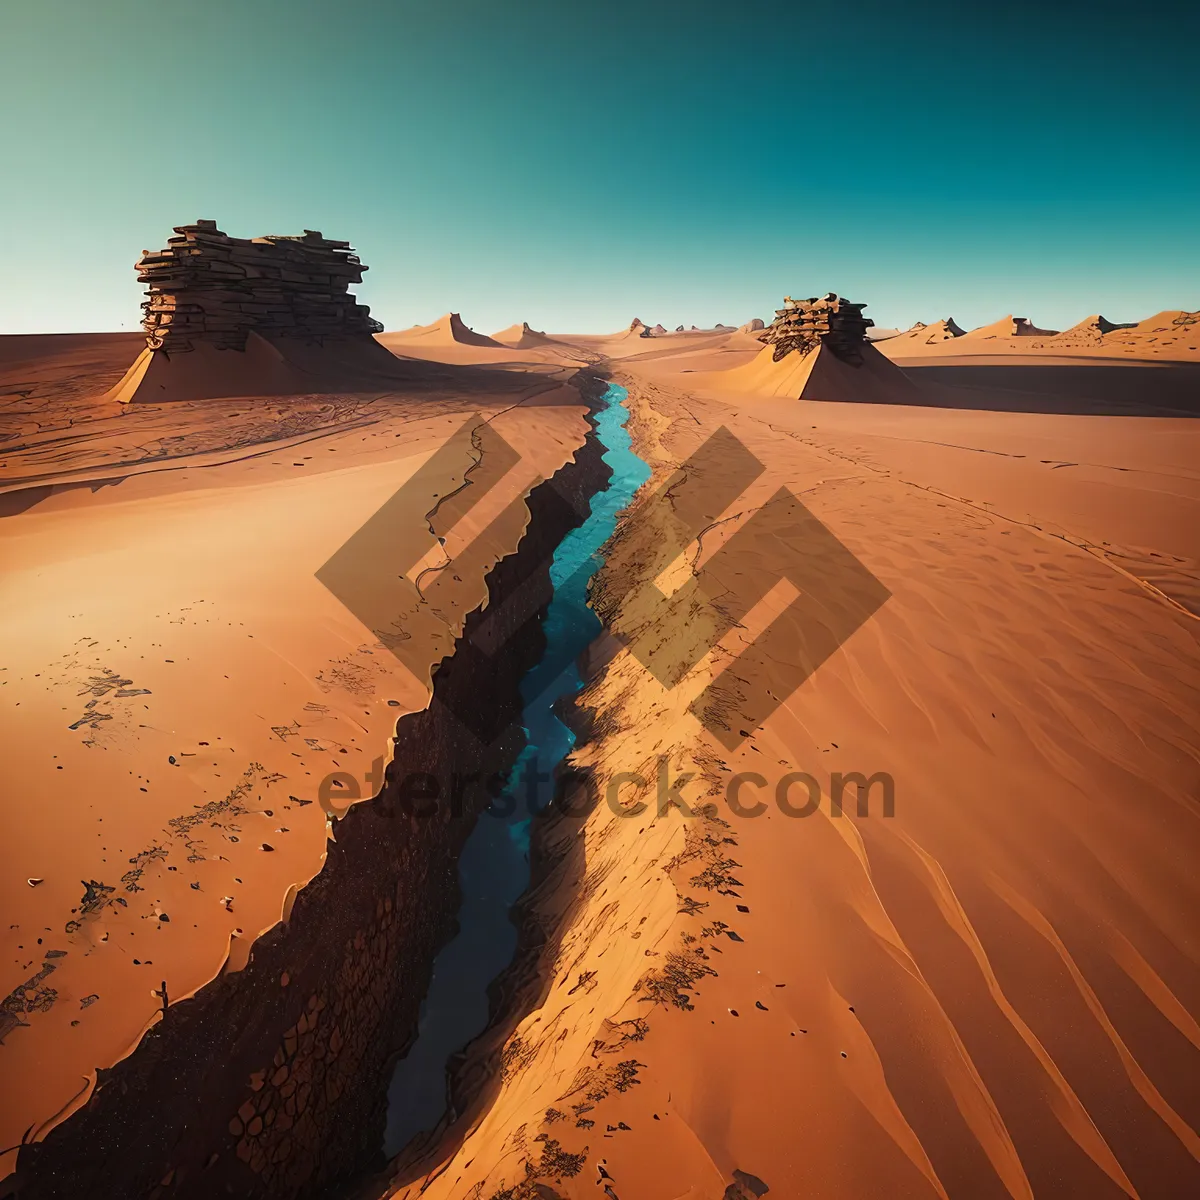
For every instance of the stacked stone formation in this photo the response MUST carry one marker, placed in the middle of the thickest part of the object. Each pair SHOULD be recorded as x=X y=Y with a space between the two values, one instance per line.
x=828 y=320
x=209 y=288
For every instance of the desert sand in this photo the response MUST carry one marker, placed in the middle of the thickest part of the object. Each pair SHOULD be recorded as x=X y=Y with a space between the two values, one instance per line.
x=179 y=681
x=986 y=988
x=1169 y=336
x=449 y=340
x=991 y=992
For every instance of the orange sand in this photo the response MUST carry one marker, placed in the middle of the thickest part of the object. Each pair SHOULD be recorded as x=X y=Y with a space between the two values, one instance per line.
x=176 y=682
x=992 y=992
x=1172 y=336
x=448 y=340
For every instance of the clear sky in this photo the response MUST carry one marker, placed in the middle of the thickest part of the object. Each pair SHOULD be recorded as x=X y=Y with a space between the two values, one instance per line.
x=576 y=164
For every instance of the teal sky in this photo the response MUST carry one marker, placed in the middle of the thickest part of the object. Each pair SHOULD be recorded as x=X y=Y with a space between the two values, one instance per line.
x=576 y=164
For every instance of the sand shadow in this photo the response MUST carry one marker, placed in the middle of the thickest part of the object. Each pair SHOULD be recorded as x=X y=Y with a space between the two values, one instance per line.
x=1096 y=389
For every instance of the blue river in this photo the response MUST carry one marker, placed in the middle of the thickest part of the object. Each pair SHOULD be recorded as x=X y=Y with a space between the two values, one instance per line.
x=494 y=868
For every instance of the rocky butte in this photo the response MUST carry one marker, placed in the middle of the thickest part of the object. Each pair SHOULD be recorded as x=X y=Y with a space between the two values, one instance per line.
x=209 y=287
x=273 y=315
x=820 y=321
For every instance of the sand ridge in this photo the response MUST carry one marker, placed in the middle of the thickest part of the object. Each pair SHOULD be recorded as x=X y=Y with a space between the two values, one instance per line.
x=1169 y=336
x=446 y=330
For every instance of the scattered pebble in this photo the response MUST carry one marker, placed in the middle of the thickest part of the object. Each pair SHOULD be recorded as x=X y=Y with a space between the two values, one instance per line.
x=34 y=882
x=760 y=1004
x=267 y=846
x=733 y=1012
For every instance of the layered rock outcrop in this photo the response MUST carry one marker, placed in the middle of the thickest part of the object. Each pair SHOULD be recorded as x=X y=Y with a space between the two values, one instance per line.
x=827 y=320
x=211 y=289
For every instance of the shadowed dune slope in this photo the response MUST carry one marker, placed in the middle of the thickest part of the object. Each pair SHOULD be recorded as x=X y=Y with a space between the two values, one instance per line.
x=819 y=376
x=265 y=368
x=521 y=337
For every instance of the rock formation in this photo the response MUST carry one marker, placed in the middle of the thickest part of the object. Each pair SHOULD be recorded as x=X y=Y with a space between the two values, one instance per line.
x=638 y=328
x=211 y=289
x=678 y=328
x=827 y=320
x=752 y=326
x=658 y=329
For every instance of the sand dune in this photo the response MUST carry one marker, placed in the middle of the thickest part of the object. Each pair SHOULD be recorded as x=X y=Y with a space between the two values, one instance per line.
x=1169 y=336
x=1009 y=327
x=820 y=375
x=449 y=340
x=637 y=329
x=521 y=337
x=449 y=330
x=1172 y=334
x=919 y=339
x=1092 y=329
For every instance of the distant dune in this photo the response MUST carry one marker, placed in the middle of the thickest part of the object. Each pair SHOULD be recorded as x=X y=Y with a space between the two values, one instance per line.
x=521 y=337
x=637 y=329
x=921 y=336
x=1172 y=335
x=1094 y=327
x=445 y=331
x=1009 y=327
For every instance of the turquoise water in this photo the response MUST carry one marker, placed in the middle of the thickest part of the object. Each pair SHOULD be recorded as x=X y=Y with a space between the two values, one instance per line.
x=494 y=867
